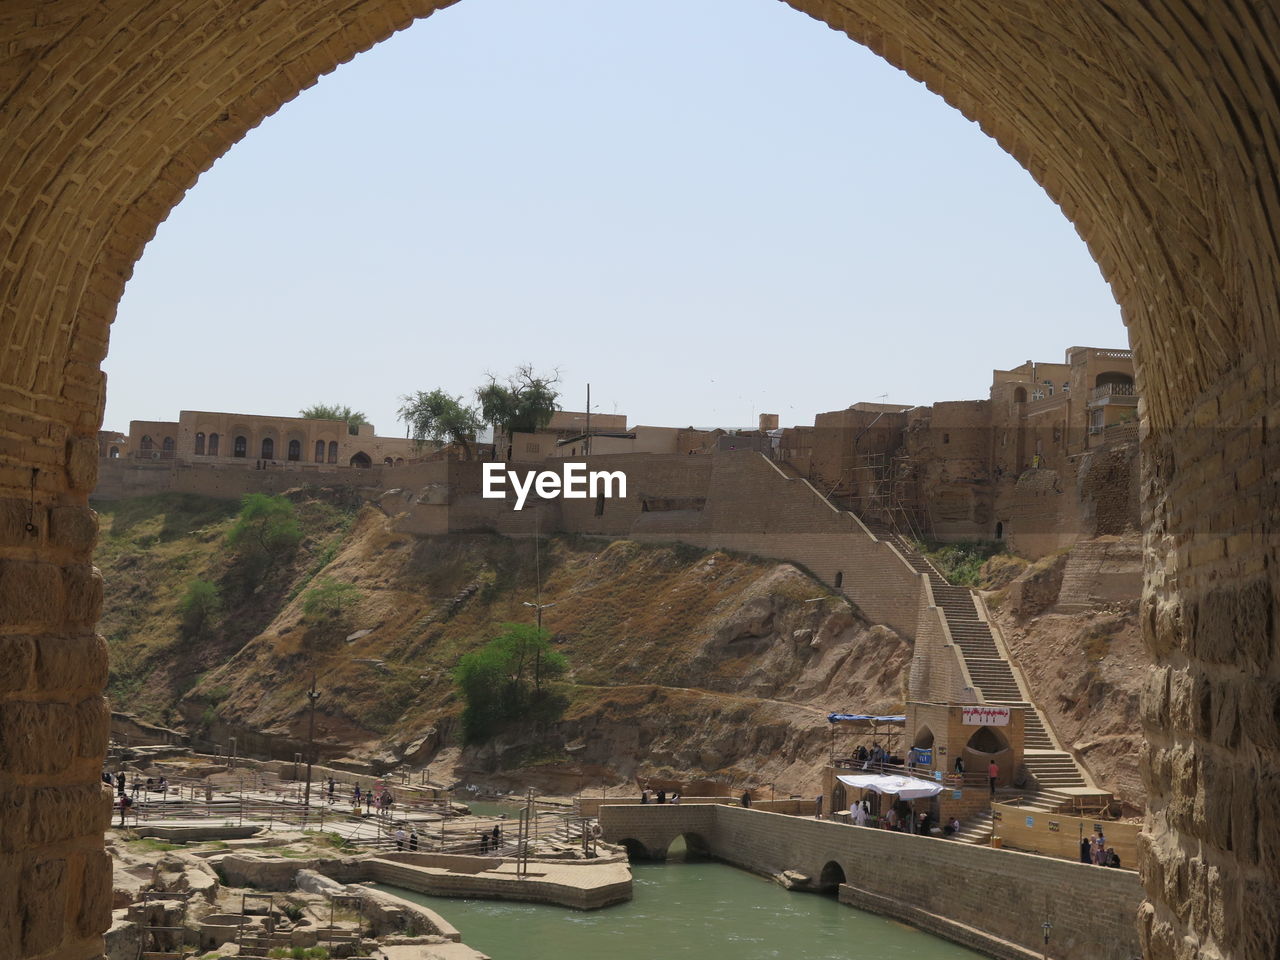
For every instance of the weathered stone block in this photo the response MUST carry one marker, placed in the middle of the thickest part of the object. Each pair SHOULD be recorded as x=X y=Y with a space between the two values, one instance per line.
x=82 y=463
x=55 y=814
x=71 y=663
x=92 y=723
x=17 y=657
x=82 y=584
x=74 y=529
x=30 y=592
x=34 y=737
x=42 y=904
x=93 y=914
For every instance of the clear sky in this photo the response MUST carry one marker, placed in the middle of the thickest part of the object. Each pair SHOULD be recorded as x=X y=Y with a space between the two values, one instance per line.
x=707 y=209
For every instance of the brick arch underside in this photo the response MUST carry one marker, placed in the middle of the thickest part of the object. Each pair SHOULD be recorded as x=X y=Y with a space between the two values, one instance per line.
x=1152 y=123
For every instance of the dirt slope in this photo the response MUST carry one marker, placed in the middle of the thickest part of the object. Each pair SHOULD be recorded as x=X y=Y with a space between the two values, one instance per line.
x=682 y=663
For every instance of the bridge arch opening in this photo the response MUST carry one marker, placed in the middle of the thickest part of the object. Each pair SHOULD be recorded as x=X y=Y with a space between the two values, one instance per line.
x=831 y=877
x=635 y=849
x=688 y=848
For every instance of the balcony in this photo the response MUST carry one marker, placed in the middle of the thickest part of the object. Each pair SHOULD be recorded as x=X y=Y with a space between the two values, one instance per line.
x=1121 y=393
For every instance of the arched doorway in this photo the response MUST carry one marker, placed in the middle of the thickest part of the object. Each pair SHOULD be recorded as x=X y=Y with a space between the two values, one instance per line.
x=1086 y=96
x=985 y=746
x=688 y=848
x=831 y=877
x=361 y=460
x=635 y=849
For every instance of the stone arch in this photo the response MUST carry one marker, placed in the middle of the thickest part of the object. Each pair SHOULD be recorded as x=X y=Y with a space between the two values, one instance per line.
x=240 y=447
x=635 y=849
x=199 y=450
x=295 y=450
x=114 y=453
x=923 y=738
x=1150 y=124
x=333 y=451
x=830 y=878
x=319 y=451
x=361 y=460
x=213 y=444
x=688 y=846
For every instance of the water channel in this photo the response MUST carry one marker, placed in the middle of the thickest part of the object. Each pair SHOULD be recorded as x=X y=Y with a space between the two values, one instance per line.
x=683 y=911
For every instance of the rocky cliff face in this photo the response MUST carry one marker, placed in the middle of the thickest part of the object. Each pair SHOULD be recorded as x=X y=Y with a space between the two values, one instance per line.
x=683 y=664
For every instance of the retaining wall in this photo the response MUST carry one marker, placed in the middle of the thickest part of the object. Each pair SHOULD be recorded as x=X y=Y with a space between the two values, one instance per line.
x=993 y=900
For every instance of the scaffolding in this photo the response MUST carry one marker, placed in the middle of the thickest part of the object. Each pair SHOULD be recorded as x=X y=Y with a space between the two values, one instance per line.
x=886 y=493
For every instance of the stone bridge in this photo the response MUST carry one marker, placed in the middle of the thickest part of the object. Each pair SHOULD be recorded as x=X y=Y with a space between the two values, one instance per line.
x=994 y=901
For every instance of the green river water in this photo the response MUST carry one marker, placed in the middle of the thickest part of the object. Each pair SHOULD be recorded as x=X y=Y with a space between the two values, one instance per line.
x=682 y=911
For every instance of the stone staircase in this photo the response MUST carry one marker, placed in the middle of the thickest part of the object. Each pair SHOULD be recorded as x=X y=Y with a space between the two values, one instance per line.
x=976 y=829
x=1059 y=778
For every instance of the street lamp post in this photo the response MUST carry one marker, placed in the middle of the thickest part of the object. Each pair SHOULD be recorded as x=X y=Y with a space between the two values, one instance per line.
x=312 y=697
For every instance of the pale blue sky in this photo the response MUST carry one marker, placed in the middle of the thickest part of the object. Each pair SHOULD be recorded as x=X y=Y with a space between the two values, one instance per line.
x=706 y=208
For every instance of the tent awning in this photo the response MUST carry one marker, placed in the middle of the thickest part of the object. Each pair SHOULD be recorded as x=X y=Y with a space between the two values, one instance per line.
x=864 y=718
x=908 y=788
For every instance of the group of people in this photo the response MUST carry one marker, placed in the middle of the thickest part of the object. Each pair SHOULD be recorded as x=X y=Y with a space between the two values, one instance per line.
x=1097 y=852
x=121 y=783
x=491 y=840
x=380 y=799
x=660 y=796
x=901 y=820
x=410 y=838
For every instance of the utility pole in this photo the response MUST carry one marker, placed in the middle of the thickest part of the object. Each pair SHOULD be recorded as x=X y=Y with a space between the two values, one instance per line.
x=312 y=697
x=586 y=443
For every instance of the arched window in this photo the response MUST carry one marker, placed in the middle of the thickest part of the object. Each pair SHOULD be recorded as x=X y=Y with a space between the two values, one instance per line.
x=199 y=444
x=168 y=446
x=241 y=447
x=146 y=443
x=1020 y=395
x=1049 y=385
x=213 y=444
x=388 y=462
x=333 y=451
x=295 y=450
x=999 y=529
x=399 y=460
x=319 y=451
x=268 y=449
x=115 y=453
x=839 y=579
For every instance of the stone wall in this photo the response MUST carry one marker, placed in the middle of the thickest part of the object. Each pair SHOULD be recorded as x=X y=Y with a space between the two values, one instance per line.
x=994 y=900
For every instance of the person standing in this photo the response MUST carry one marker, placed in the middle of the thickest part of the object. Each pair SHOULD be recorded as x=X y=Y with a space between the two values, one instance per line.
x=1086 y=850
x=817 y=807
x=401 y=837
x=993 y=774
x=413 y=839
x=860 y=814
x=662 y=795
x=333 y=785
x=746 y=799
x=496 y=837
x=120 y=783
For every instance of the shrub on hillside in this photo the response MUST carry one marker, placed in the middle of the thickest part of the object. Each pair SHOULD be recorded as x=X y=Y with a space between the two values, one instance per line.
x=329 y=597
x=199 y=607
x=504 y=681
x=266 y=531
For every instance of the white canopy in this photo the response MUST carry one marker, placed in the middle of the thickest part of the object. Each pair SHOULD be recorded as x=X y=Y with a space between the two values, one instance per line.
x=908 y=788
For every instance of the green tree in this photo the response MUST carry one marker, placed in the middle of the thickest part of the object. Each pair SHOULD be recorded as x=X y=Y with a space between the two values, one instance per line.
x=332 y=411
x=440 y=418
x=199 y=606
x=265 y=532
x=505 y=680
x=330 y=597
x=523 y=404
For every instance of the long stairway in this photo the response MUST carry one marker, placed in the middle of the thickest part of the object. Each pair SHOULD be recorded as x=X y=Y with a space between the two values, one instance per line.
x=1060 y=780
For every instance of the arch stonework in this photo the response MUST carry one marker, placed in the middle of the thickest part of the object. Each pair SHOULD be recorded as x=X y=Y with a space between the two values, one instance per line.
x=1150 y=122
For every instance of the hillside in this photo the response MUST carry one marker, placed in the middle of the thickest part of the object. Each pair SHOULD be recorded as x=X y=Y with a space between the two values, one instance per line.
x=704 y=664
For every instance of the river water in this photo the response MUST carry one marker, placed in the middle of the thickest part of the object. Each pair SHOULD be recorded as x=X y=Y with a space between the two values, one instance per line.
x=689 y=911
